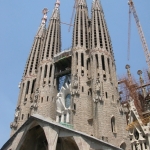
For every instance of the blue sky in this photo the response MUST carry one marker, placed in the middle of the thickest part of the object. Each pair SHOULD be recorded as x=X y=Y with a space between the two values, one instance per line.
x=19 y=23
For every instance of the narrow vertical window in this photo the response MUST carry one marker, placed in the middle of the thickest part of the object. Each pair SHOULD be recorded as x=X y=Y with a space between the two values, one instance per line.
x=82 y=59
x=22 y=116
x=50 y=72
x=82 y=89
x=41 y=99
x=76 y=58
x=103 y=62
x=27 y=87
x=74 y=106
x=47 y=98
x=87 y=64
x=40 y=73
x=106 y=94
x=33 y=86
x=108 y=65
x=45 y=71
x=96 y=57
x=113 y=124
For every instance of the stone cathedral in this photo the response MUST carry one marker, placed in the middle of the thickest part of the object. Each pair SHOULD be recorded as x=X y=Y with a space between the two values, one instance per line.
x=69 y=100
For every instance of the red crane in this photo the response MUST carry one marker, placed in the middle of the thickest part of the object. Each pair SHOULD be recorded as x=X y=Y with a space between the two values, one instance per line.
x=142 y=37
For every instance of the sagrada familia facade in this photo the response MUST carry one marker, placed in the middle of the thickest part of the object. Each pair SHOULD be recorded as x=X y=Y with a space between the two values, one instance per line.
x=69 y=100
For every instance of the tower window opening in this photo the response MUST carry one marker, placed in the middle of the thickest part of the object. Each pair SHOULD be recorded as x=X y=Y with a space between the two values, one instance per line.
x=74 y=106
x=108 y=65
x=45 y=71
x=103 y=62
x=82 y=59
x=76 y=58
x=113 y=128
x=27 y=88
x=47 y=98
x=82 y=89
x=22 y=116
x=96 y=57
x=50 y=72
x=41 y=99
x=33 y=86
x=40 y=73
x=106 y=94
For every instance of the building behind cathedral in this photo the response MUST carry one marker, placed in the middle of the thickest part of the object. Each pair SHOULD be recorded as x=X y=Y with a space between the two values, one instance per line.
x=70 y=99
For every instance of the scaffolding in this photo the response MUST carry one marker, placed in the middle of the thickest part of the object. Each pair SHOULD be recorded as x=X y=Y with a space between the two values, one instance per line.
x=139 y=92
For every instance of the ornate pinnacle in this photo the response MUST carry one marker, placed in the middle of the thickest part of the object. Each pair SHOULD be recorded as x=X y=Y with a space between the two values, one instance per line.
x=44 y=19
x=57 y=4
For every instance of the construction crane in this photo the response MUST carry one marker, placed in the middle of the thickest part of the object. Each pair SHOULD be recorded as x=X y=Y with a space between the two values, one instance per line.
x=143 y=40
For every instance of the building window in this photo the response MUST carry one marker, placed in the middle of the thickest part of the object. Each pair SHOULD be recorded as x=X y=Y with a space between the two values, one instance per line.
x=82 y=59
x=68 y=101
x=41 y=99
x=33 y=85
x=74 y=106
x=103 y=62
x=22 y=116
x=50 y=72
x=113 y=128
x=27 y=87
x=47 y=98
x=45 y=71
x=96 y=57
x=106 y=94
x=82 y=89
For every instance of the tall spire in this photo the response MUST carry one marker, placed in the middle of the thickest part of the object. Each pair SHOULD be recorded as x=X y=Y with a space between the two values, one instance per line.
x=96 y=5
x=81 y=32
x=27 y=86
x=52 y=43
x=55 y=14
x=43 y=23
x=33 y=60
x=100 y=37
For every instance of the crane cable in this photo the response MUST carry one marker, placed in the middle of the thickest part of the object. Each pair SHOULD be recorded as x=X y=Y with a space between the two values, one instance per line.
x=129 y=34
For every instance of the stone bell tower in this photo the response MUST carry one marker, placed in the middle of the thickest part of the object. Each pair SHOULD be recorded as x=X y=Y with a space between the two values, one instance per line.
x=81 y=70
x=29 y=80
x=46 y=82
x=108 y=119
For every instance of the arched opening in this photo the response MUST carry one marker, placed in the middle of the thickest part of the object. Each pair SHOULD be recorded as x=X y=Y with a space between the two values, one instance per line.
x=66 y=144
x=123 y=146
x=35 y=139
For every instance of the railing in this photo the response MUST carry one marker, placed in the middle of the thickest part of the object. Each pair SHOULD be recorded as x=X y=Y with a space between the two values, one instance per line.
x=67 y=125
x=63 y=54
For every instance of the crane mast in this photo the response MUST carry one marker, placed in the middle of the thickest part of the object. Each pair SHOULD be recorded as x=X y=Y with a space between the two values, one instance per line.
x=143 y=40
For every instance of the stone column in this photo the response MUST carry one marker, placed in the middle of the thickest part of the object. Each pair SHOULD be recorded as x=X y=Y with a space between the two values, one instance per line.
x=81 y=143
x=51 y=136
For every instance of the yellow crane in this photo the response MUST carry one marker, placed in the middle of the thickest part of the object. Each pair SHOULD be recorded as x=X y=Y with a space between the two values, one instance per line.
x=143 y=40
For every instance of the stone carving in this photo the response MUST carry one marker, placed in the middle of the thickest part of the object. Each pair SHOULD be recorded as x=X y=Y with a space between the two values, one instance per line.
x=34 y=104
x=75 y=81
x=98 y=97
x=17 y=112
x=63 y=104
x=13 y=125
